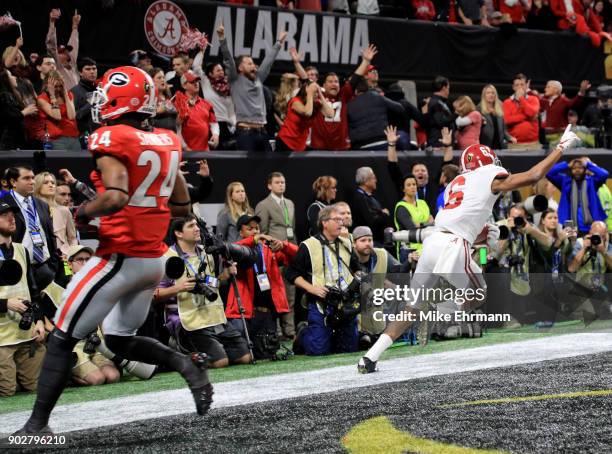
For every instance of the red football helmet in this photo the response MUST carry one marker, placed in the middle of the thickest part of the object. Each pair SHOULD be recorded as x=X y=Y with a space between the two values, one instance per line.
x=476 y=156
x=121 y=90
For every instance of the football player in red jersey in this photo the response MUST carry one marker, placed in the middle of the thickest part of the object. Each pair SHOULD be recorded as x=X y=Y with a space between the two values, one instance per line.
x=139 y=187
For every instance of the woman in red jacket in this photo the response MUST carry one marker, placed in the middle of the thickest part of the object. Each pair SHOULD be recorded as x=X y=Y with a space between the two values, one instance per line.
x=301 y=109
x=261 y=287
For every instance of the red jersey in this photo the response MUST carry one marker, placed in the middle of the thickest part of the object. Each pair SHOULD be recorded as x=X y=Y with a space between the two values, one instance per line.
x=295 y=128
x=152 y=161
x=63 y=127
x=332 y=133
x=196 y=121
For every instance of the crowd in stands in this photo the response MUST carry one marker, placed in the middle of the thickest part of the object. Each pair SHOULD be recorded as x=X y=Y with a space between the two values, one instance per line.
x=45 y=103
x=282 y=286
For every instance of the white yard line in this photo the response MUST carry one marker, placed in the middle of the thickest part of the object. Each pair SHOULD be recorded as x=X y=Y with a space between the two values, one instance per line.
x=89 y=415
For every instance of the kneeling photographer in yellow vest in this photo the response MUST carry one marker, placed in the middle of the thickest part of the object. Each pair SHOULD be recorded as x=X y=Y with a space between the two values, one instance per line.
x=22 y=330
x=375 y=263
x=324 y=267
x=194 y=310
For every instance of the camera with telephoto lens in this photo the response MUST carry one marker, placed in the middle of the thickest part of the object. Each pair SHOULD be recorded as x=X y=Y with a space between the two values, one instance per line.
x=216 y=246
x=91 y=343
x=595 y=240
x=27 y=318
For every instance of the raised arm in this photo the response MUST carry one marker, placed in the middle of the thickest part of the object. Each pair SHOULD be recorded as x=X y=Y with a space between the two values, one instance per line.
x=600 y=175
x=10 y=57
x=367 y=55
x=228 y=59
x=74 y=37
x=299 y=69
x=179 y=202
x=538 y=171
x=51 y=40
x=268 y=61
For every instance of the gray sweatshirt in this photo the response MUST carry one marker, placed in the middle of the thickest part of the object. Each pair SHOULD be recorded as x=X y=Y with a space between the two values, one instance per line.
x=248 y=94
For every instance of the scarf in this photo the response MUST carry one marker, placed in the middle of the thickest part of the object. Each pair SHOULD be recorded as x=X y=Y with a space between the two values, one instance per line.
x=221 y=85
x=584 y=202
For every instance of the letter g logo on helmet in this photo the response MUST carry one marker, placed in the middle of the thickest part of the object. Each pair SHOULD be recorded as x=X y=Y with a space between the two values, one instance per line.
x=119 y=79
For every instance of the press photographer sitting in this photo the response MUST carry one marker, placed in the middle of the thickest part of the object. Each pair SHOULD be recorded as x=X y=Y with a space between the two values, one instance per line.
x=591 y=260
x=194 y=310
x=260 y=287
x=22 y=331
x=324 y=268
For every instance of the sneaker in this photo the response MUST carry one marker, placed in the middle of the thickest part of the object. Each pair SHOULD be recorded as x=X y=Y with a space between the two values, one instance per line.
x=366 y=365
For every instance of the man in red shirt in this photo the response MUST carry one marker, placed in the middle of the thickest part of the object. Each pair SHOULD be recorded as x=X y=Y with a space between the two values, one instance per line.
x=332 y=133
x=554 y=105
x=521 y=114
x=137 y=177
x=195 y=115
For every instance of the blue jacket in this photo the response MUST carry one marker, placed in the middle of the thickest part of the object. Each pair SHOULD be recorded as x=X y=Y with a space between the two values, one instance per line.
x=563 y=182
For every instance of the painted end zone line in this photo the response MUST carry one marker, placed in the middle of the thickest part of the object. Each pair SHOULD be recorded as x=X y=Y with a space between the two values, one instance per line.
x=120 y=410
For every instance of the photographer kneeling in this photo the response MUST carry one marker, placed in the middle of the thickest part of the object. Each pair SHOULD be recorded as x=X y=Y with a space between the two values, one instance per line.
x=515 y=254
x=261 y=288
x=22 y=331
x=324 y=268
x=591 y=260
x=194 y=310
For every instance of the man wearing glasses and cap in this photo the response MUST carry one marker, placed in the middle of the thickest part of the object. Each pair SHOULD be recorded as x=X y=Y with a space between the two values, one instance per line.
x=21 y=343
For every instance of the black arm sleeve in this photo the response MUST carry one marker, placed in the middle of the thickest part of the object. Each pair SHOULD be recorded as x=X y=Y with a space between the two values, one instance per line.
x=415 y=114
x=3 y=306
x=312 y=214
x=47 y=307
x=404 y=219
x=354 y=80
x=300 y=266
x=34 y=290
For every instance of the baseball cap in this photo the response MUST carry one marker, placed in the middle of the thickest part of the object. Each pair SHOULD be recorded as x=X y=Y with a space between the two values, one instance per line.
x=245 y=219
x=5 y=207
x=361 y=231
x=372 y=68
x=74 y=250
x=189 y=76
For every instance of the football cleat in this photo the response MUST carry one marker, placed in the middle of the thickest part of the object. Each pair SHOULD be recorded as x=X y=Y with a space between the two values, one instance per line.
x=28 y=430
x=196 y=375
x=366 y=365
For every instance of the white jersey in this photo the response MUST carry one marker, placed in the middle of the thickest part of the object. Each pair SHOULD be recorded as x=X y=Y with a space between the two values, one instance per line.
x=468 y=202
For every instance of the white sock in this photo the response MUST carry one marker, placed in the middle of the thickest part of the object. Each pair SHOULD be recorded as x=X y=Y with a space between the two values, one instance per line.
x=383 y=343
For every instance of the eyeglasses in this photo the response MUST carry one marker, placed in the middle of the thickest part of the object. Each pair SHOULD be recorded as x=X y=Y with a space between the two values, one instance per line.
x=81 y=259
x=338 y=220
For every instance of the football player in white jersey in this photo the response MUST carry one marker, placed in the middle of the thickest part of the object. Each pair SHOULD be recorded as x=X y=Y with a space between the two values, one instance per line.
x=468 y=201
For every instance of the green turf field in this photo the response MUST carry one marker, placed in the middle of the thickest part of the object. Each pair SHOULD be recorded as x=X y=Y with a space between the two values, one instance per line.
x=169 y=381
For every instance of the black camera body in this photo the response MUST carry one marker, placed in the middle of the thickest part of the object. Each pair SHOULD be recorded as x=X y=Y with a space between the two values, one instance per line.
x=519 y=222
x=27 y=318
x=91 y=343
x=345 y=303
x=515 y=260
x=202 y=288
x=595 y=240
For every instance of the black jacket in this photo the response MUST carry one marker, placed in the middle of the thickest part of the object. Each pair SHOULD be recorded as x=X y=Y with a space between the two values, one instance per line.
x=82 y=93
x=368 y=117
x=440 y=115
x=367 y=210
x=12 y=126
x=44 y=215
